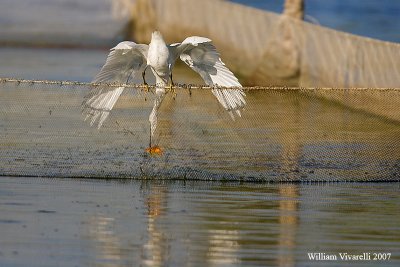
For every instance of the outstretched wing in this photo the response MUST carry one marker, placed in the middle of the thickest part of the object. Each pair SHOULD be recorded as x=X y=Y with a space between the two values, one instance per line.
x=124 y=61
x=201 y=55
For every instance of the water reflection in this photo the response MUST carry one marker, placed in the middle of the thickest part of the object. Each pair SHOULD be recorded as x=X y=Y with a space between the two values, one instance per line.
x=155 y=250
x=147 y=223
x=107 y=244
x=223 y=247
x=288 y=223
x=110 y=243
x=224 y=227
x=241 y=224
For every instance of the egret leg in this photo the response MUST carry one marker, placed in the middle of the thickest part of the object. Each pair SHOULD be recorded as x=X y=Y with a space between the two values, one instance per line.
x=150 y=137
x=127 y=80
x=171 y=86
x=144 y=81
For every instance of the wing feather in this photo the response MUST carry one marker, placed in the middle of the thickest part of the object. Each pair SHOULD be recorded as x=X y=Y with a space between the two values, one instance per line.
x=124 y=61
x=201 y=55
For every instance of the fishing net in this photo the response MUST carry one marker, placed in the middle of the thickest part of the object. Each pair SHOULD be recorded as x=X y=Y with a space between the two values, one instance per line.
x=284 y=134
x=266 y=48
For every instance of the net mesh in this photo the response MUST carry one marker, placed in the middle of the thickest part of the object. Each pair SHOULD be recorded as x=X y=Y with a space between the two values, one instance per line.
x=266 y=48
x=283 y=134
x=333 y=58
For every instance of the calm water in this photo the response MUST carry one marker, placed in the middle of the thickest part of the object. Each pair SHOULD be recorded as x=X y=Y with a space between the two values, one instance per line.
x=59 y=22
x=148 y=223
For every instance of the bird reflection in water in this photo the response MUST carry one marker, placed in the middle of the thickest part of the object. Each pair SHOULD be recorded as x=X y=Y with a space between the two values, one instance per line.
x=223 y=247
x=288 y=223
x=108 y=245
x=211 y=235
x=113 y=250
x=156 y=249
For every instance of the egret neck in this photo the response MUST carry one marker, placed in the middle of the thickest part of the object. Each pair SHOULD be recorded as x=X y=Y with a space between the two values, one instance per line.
x=157 y=58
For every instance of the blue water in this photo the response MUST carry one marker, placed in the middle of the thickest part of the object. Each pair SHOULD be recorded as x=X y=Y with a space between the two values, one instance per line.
x=378 y=19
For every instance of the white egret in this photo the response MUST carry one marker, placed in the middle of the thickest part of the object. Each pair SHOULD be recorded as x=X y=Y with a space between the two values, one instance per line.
x=129 y=59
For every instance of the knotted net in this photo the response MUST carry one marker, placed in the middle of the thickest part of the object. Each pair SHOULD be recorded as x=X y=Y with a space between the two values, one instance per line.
x=284 y=134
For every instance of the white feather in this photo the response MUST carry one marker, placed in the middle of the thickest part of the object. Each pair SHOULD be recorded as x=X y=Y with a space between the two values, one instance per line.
x=125 y=60
x=201 y=55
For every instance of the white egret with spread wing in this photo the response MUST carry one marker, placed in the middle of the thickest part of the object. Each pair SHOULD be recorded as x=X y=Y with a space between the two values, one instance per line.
x=128 y=60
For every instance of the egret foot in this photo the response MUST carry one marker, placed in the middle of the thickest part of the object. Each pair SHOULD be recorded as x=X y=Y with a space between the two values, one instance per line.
x=172 y=90
x=190 y=90
x=146 y=89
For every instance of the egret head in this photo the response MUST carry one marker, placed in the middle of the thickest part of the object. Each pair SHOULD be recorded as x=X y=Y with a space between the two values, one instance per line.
x=156 y=34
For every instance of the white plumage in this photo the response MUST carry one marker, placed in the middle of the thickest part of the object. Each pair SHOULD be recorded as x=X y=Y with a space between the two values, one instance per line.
x=129 y=59
x=202 y=56
x=124 y=61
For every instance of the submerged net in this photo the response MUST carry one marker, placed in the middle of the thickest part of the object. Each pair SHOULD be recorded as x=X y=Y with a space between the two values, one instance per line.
x=284 y=134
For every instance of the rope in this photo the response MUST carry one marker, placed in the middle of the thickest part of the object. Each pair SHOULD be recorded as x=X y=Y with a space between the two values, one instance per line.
x=177 y=86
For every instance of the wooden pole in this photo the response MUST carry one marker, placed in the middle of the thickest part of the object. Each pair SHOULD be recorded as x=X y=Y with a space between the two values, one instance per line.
x=294 y=8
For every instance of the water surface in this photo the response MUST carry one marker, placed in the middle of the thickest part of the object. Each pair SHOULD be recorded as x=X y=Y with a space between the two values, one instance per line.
x=75 y=222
